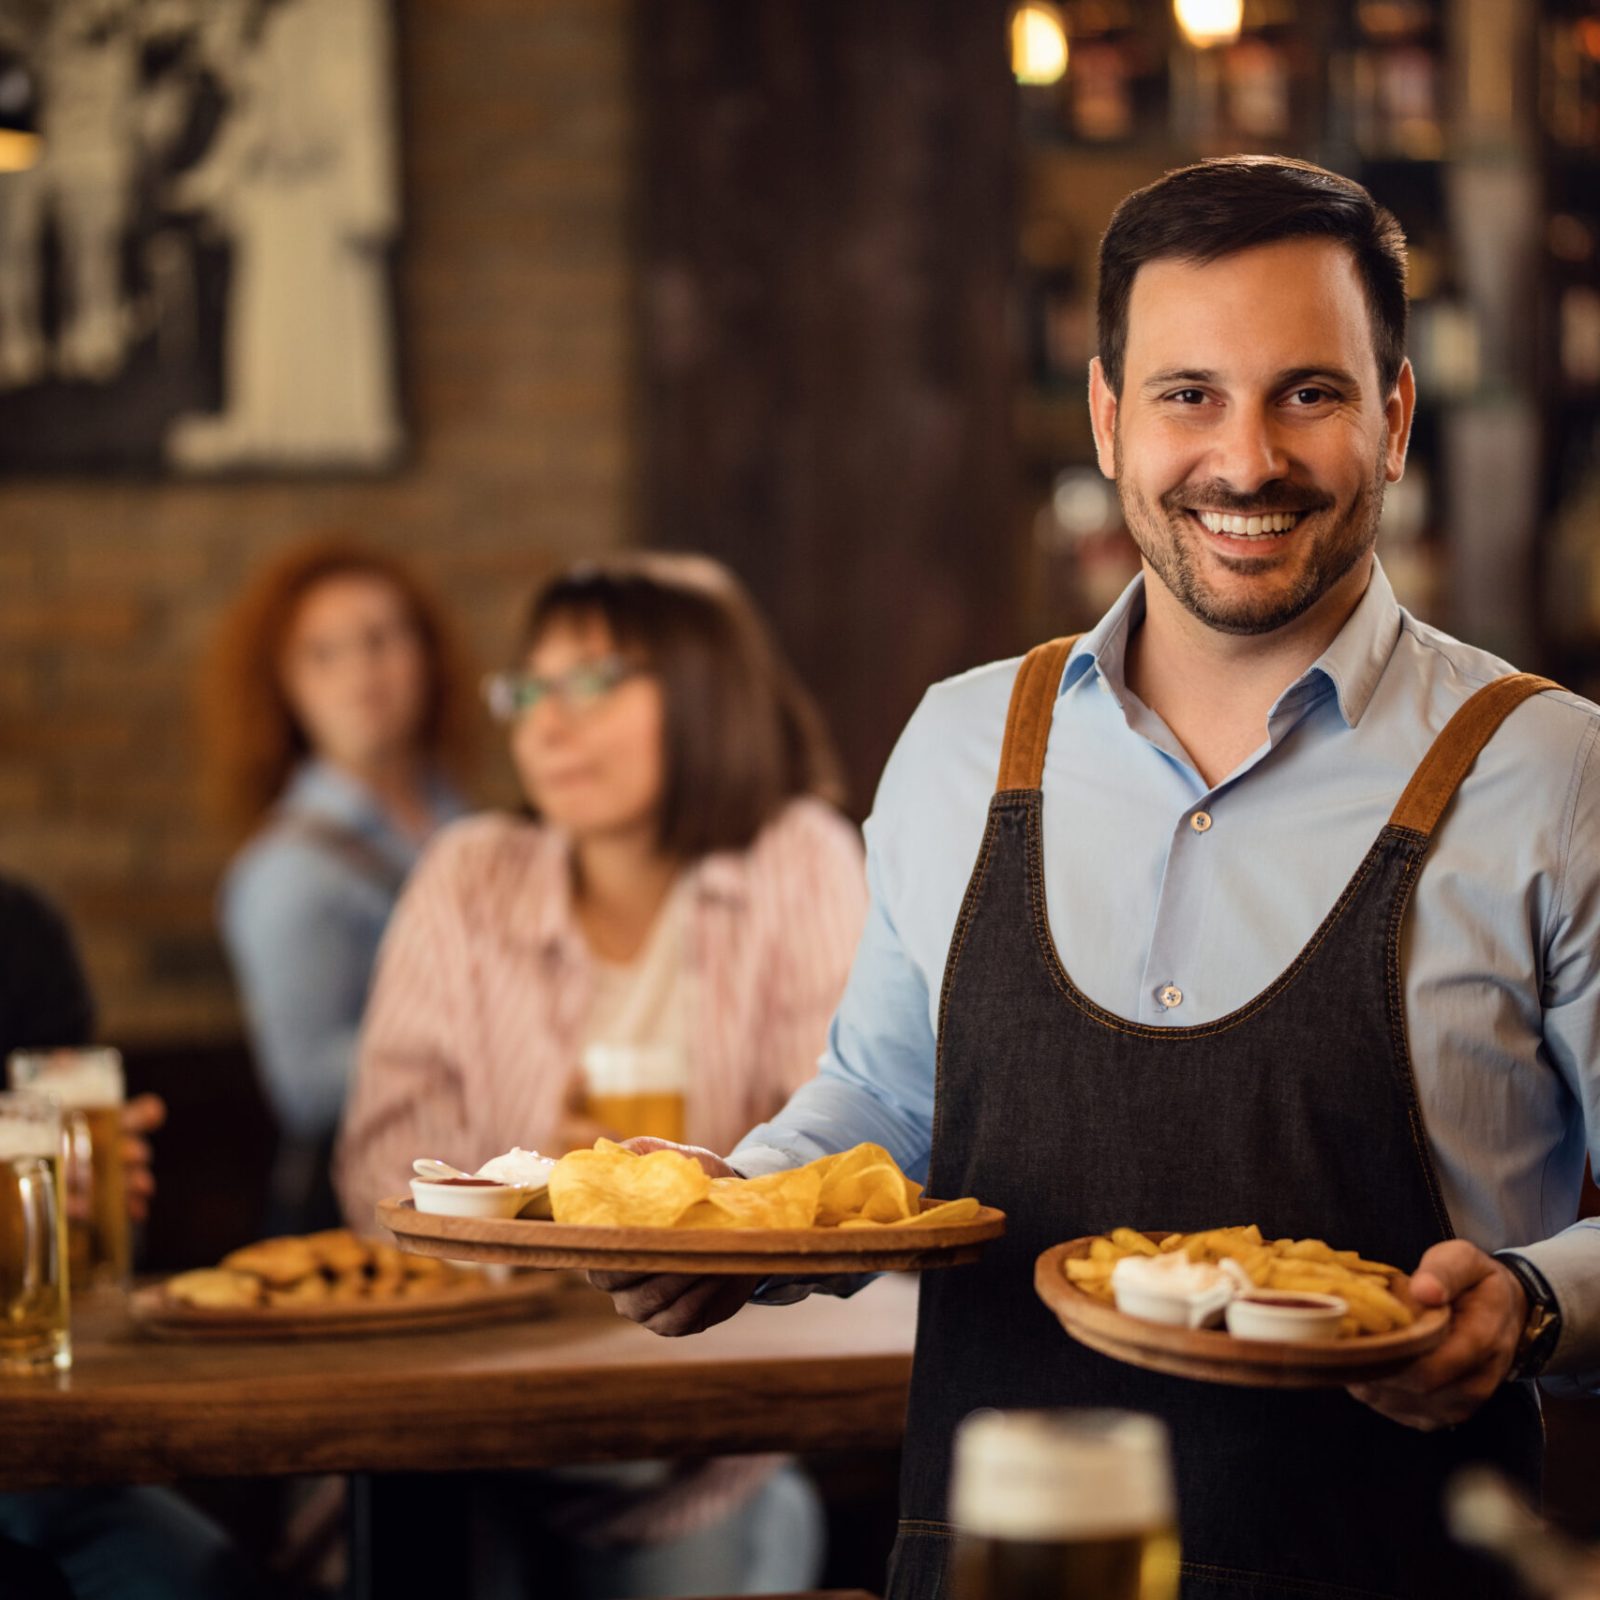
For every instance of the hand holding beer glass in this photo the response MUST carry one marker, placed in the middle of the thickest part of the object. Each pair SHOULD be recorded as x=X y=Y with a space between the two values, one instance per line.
x=1073 y=1505
x=34 y=1335
x=88 y=1087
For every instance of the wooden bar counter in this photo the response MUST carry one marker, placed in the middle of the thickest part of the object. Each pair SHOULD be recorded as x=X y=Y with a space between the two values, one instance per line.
x=576 y=1385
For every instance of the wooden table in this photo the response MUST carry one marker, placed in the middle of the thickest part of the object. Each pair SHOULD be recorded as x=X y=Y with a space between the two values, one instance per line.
x=580 y=1385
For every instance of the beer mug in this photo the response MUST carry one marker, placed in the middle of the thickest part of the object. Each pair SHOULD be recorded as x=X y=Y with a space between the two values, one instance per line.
x=636 y=1089
x=1074 y=1505
x=34 y=1336
x=87 y=1085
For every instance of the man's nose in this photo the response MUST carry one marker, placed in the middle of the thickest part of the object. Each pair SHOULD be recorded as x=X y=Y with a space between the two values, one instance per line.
x=1249 y=449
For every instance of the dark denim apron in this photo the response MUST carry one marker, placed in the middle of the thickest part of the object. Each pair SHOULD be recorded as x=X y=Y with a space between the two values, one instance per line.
x=1297 y=1111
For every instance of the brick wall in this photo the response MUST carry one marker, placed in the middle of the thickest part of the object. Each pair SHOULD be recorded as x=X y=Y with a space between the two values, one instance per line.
x=515 y=311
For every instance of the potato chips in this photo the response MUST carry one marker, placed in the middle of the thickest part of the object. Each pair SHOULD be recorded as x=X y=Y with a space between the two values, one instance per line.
x=860 y=1188
x=1305 y=1264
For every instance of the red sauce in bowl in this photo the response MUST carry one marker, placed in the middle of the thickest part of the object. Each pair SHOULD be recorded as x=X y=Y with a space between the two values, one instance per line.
x=1289 y=1302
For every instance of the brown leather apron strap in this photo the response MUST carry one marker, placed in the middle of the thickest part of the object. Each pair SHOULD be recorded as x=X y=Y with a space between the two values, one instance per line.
x=1033 y=704
x=1451 y=756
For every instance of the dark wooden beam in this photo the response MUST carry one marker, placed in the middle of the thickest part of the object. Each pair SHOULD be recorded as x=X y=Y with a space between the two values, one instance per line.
x=827 y=239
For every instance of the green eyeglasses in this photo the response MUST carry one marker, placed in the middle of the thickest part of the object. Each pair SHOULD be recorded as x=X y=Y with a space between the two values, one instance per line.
x=512 y=695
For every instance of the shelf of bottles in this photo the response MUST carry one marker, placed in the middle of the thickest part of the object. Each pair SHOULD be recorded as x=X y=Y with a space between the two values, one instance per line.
x=1364 y=87
x=1568 y=338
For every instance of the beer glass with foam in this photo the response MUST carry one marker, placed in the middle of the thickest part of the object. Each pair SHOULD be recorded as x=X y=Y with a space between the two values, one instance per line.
x=88 y=1086
x=1073 y=1505
x=34 y=1336
x=636 y=1089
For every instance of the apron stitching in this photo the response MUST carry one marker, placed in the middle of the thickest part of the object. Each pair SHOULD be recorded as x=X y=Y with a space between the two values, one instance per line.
x=924 y=1525
x=1062 y=979
x=1400 y=1047
x=1306 y=1586
x=969 y=911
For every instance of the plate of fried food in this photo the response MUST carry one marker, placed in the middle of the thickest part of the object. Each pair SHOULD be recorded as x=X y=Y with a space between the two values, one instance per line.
x=325 y=1285
x=612 y=1209
x=1230 y=1305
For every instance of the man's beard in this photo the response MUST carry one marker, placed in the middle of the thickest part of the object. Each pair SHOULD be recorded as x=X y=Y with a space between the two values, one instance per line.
x=1333 y=552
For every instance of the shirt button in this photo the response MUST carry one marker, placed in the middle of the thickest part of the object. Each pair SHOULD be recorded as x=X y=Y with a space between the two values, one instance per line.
x=1171 y=996
x=1200 y=821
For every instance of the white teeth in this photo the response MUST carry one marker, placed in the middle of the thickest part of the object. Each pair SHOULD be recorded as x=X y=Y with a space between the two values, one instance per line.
x=1249 y=527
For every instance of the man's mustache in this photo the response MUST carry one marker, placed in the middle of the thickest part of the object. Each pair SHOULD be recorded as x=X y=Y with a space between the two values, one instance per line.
x=1268 y=500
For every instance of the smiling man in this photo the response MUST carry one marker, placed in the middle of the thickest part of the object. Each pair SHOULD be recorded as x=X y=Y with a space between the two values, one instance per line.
x=1262 y=901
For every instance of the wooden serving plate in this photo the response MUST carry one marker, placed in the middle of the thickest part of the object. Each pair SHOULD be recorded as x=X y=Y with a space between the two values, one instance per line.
x=162 y=1318
x=1213 y=1354
x=733 y=1252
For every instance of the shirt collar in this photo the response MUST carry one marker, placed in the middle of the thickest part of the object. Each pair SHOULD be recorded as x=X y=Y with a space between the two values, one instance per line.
x=320 y=789
x=1351 y=665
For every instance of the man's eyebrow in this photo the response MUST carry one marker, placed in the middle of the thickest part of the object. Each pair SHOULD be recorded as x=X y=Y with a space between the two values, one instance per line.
x=1337 y=375
x=1345 y=380
x=1160 y=380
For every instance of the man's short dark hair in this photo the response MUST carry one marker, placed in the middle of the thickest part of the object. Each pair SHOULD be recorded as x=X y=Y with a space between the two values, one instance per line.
x=1217 y=208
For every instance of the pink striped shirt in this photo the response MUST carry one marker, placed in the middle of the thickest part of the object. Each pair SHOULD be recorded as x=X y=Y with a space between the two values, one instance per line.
x=474 y=1027
x=473 y=1030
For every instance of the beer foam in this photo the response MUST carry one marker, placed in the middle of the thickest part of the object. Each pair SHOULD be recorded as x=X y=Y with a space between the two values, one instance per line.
x=1045 y=1476
x=21 y=1140
x=635 y=1069
x=80 y=1080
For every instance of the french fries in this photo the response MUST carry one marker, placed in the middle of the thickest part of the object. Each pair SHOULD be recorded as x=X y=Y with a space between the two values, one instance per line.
x=1308 y=1265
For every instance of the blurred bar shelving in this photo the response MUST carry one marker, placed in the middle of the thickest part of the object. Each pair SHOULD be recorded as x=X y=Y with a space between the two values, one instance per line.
x=1478 y=124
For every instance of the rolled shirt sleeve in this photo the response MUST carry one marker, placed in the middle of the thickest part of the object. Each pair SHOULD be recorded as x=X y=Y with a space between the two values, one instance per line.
x=1569 y=1259
x=875 y=1080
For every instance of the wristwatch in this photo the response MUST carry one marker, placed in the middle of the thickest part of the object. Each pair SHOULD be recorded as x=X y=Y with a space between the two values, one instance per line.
x=1542 y=1331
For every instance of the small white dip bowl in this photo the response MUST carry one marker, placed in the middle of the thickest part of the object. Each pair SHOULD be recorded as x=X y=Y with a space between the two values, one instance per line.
x=469 y=1199
x=1158 y=1295
x=1291 y=1315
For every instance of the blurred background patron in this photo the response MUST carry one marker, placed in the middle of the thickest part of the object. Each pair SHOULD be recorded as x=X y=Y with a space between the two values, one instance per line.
x=658 y=946
x=335 y=738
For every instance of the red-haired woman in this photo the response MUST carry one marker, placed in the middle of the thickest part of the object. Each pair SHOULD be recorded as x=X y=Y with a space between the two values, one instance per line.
x=334 y=738
x=658 y=950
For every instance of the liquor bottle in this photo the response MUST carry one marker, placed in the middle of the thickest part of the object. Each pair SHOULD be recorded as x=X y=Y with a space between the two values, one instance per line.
x=1485 y=1512
x=1396 y=75
x=1569 y=79
x=1064 y=1505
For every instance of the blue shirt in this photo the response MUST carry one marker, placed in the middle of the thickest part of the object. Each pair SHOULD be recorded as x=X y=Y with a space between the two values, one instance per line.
x=302 y=920
x=1501 y=949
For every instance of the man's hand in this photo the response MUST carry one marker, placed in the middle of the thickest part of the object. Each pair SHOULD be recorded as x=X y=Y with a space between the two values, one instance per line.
x=1448 y=1384
x=667 y=1303
x=142 y=1115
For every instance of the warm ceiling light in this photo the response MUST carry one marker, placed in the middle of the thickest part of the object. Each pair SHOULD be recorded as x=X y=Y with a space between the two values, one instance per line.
x=18 y=151
x=1038 y=44
x=1209 y=22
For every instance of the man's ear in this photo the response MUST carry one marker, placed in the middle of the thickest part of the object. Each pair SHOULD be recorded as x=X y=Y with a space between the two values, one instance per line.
x=1103 y=418
x=1397 y=421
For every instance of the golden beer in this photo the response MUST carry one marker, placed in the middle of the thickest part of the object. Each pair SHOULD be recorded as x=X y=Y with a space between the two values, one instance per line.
x=34 y=1333
x=636 y=1090
x=632 y=1115
x=1063 y=1506
x=88 y=1086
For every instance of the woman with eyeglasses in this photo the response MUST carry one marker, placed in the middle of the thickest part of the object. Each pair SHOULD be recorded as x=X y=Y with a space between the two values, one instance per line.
x=656 y=948
x=334 y=736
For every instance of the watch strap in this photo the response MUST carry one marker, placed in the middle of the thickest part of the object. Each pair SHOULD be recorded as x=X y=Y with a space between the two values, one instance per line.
x=1541 y=1333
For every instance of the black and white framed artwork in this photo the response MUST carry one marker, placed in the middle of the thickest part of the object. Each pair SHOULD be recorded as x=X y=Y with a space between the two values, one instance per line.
x=197 y=268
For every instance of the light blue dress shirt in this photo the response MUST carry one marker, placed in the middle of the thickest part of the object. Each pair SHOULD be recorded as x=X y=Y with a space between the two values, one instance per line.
x=1501 y=949
x=302 y=924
